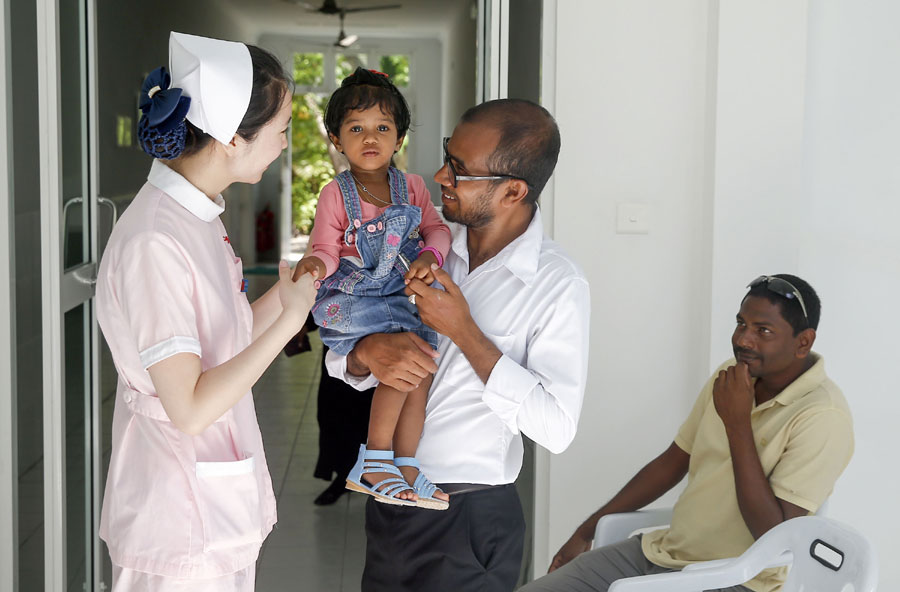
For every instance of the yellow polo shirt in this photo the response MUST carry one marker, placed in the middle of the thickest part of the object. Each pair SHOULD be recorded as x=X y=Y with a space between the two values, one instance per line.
x=804 y=438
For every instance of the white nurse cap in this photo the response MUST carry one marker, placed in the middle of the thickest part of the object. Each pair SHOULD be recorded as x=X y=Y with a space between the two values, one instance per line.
x=218 y=77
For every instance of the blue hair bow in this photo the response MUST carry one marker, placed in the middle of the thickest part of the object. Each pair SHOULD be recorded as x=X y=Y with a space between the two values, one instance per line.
x=164 y=107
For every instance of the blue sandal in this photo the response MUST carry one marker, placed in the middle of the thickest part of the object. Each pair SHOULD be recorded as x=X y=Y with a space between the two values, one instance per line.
x=385 y=490
x=423 y=487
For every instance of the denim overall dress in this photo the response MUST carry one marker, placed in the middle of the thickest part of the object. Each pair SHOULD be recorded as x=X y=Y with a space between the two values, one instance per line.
x=355 y=300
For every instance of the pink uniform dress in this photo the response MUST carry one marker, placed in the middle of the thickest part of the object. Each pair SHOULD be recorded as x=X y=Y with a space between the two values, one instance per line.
x=176 y=506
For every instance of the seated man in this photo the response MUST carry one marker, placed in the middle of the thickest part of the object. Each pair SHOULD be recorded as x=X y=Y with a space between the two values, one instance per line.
x=765 y=442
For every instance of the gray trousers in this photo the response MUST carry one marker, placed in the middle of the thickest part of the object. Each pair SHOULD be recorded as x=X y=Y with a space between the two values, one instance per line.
x=596 y=570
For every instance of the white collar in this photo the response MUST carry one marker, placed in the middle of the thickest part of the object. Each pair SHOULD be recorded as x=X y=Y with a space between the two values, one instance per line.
x=521 y=256
x=181 y=190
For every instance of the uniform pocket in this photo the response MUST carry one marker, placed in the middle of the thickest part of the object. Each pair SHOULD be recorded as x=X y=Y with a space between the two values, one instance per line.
x=229 y=504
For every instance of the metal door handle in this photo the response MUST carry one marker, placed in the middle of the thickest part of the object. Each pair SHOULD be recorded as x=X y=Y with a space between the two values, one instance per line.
x=112 y=205
x=86 y=274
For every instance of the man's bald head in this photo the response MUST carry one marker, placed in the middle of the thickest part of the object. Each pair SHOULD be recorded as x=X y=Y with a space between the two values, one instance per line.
x=529 y=140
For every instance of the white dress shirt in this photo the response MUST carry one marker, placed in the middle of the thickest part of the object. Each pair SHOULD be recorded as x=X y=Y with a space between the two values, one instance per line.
x=533 y=302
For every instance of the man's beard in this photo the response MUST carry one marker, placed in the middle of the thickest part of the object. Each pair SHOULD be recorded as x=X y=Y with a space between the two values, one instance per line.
x=479 y=216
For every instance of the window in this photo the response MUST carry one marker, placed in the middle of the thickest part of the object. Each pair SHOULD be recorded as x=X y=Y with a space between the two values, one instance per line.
x=309 y=70
x=397 y=67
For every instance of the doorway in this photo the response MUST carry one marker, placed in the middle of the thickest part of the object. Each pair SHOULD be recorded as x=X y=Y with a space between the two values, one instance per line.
x=75 y=170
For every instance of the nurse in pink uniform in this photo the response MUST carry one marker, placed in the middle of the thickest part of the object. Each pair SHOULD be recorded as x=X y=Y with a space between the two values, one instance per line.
x=188 y=498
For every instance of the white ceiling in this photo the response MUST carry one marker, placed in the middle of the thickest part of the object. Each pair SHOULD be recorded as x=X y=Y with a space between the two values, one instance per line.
x=415 y=18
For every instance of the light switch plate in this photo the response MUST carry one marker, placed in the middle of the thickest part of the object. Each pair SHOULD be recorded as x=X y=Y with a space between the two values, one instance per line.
x=632 y=218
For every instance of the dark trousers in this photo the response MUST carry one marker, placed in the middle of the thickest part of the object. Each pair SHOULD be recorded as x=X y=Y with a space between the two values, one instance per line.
x=475 y=545
x=343 y=416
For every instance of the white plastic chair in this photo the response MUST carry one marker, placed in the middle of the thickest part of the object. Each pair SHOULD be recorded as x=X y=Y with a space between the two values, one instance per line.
x=613 y=528
x=823 y=555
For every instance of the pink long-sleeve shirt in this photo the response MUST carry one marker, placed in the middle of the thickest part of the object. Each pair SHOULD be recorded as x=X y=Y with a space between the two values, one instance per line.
x=327 y=236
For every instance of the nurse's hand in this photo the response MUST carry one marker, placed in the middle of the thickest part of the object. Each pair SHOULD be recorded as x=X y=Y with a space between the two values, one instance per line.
x=297 y=297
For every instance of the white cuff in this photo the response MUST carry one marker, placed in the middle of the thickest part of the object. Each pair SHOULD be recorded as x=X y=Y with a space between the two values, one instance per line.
x=506 y=389
x=168 y=348
x=336 y=365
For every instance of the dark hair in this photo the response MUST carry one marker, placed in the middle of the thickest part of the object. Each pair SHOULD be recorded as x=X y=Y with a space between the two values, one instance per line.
x=790 y=308
x=270 y=85
x=529 y=141
x=362 y=90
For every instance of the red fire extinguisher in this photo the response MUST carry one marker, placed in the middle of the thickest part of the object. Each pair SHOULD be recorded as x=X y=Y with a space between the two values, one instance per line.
x=265 y=230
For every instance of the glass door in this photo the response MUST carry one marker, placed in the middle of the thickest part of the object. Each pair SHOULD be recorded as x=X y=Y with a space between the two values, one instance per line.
x=69 y=266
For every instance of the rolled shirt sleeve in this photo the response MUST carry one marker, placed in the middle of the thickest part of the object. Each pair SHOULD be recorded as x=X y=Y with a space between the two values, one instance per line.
x=542 y=396
x=155 y=287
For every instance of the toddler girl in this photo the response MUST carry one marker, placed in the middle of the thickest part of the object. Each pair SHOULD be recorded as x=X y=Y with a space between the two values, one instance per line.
x=376 y=228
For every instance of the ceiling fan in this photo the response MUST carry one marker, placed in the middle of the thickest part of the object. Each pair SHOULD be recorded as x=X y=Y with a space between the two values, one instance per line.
x=330 y=7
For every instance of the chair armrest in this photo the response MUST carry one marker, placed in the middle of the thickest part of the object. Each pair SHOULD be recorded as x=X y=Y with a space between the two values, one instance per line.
x=717 y=574
x=613 y=528
x=785 y=558
x=768 y=551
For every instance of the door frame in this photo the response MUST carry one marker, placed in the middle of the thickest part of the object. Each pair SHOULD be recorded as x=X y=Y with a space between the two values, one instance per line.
x=9 y=544
x=64 y=290
x=50 y=159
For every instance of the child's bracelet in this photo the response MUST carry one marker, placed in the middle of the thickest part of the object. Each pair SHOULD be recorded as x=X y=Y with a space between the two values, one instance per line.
x=436 y=253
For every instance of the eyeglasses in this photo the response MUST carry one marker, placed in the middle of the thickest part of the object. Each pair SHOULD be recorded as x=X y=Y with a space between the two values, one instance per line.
x=781 y=287
x=456 y=178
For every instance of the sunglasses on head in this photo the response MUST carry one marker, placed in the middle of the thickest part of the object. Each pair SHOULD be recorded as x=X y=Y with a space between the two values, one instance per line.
x=783 y=288
x=456 y=178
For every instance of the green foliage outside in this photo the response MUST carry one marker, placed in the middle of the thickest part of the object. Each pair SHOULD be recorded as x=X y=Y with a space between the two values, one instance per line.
x=311 y=167
x=308 y=69
x=397 y=67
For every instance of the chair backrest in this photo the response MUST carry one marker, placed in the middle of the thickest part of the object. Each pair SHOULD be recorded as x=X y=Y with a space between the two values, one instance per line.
x=827 y=556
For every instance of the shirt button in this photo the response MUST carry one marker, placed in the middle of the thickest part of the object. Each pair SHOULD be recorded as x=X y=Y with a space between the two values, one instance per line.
x=371 y=228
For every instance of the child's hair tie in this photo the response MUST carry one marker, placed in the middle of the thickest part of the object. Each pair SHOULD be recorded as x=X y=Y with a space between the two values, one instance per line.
x=370 y=77
x=162 y=128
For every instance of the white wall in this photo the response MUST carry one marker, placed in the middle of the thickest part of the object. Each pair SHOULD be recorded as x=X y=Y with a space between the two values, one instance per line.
x=850 y=244
x=757 y=151
x=631 y=105
x=763 y=135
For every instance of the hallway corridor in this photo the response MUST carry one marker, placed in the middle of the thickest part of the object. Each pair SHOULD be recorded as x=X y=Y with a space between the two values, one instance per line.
x=312 y=548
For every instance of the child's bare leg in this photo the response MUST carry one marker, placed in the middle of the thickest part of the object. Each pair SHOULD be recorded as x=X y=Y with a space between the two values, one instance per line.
x=387 y=403
x=409 y=430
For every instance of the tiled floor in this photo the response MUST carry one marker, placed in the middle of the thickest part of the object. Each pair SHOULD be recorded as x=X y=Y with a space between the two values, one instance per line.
x=314 y=548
